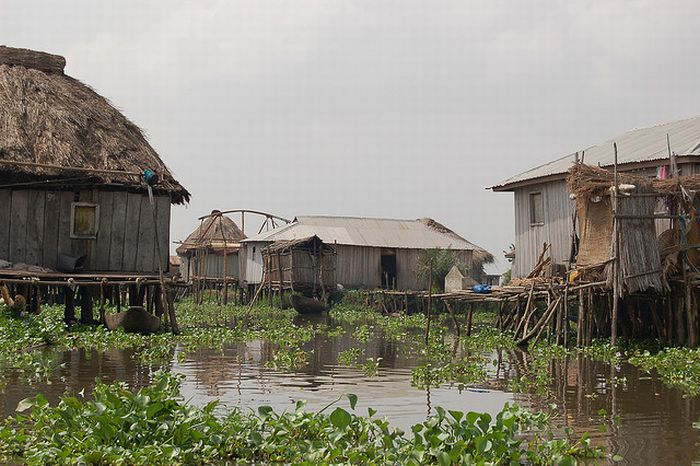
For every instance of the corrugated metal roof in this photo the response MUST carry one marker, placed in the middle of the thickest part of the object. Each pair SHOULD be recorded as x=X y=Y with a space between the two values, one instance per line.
x=637 y=145
x=375 y=232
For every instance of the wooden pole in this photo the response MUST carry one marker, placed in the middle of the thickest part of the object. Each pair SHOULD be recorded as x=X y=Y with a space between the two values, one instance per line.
x=103 y=320
x=86 y=308
x=171 y=307
x=469 y=319
x=581 y=320
x=430 y=302
x=69 y=299
x=448 y=305
x=223 y=236
x=616 y=261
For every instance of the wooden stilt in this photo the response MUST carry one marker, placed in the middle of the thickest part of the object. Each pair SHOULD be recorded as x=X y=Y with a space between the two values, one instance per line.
x=69 y=300
x=86 y=305
x=458 y=330
x=616 y=257
x=469 y=319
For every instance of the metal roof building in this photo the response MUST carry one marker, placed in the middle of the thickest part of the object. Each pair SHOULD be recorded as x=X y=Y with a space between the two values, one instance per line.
x=371 y=252
x=543 y=209
x=373 y=232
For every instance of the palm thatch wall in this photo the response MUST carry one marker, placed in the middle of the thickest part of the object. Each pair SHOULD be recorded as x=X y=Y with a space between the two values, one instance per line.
x=640 y=258
x=53 y=127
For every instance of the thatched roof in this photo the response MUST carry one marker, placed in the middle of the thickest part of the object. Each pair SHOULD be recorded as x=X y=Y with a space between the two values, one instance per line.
x=214 y=233
x=479 y=255
x=586 y=180
x=309 y=242
x=53 y=127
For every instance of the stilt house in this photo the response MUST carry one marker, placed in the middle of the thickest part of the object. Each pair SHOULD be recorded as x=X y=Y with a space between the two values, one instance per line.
x=370 y=252
x=211 y=250
x=73 y=195
x=544 y=204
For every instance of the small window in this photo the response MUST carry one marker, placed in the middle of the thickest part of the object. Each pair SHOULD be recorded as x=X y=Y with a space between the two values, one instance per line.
x=83 y=220
x=536 y=209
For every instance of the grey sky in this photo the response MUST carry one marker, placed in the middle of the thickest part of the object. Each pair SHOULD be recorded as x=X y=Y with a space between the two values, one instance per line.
x=373 y=108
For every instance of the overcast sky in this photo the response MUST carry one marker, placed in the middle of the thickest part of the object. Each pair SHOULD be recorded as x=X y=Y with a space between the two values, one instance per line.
x=400 y=109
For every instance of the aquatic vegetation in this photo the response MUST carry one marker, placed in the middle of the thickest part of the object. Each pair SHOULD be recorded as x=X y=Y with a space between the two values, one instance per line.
x=468 y=371
x=677 y=367
x=288 y=359
x=349 y=357
x=371 y=366
x=29 y=331
x=602 y=350
x=536 y=376
x=156 y=426
x=334 y=332
x=353 y=314
x=363 y=333
x=487 y=340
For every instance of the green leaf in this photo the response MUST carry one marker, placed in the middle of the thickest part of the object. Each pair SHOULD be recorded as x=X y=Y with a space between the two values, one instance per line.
x=256 y=438
x=340 y=418
x=25 y=404
x=444 y=459
x=617 y=458
x=353 y=400
x=264 y=411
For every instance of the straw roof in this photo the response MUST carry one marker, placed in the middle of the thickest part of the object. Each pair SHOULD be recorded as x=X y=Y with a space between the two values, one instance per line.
x=53 y=127
x=586 y=180
x=214 y=233
x=284 y=245
x=479 y=254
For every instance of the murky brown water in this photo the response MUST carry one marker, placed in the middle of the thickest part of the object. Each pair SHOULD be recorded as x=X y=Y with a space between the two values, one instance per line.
x=654 y=427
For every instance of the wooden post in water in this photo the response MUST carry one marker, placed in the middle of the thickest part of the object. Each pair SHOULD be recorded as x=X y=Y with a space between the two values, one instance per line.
x=499 y=322
x=430 y=302
x=616 y=256
x=86 y=308
x=448 y=305
x=469 y=319
x=580 y=338
x=223 y=235
x=69 y=300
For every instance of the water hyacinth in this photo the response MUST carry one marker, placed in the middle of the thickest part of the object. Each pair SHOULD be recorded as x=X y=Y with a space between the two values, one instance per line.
x=156 y=426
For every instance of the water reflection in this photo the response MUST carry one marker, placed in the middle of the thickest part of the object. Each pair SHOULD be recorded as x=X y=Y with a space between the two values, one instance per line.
x=654 y=427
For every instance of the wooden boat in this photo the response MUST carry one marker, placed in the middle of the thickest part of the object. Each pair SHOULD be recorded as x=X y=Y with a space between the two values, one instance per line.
x=304 y=305
x=134 y=320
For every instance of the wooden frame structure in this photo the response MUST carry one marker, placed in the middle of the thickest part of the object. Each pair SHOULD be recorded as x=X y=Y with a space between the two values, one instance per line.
x=305 y=265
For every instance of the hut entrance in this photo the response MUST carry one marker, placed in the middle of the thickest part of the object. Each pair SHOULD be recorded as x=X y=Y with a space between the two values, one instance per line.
x=388 y=264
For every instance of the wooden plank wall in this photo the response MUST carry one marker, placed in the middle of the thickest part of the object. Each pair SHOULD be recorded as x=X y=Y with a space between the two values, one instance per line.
x=35 y=229
x=555 y=230
x=358 y=266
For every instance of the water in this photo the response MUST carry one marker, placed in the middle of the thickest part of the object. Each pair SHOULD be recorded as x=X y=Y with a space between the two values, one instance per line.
x=654 y=427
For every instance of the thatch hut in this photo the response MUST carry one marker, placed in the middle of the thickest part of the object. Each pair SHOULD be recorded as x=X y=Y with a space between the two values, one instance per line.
x=211 y=250
x=305 y=264
x=72 y=169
